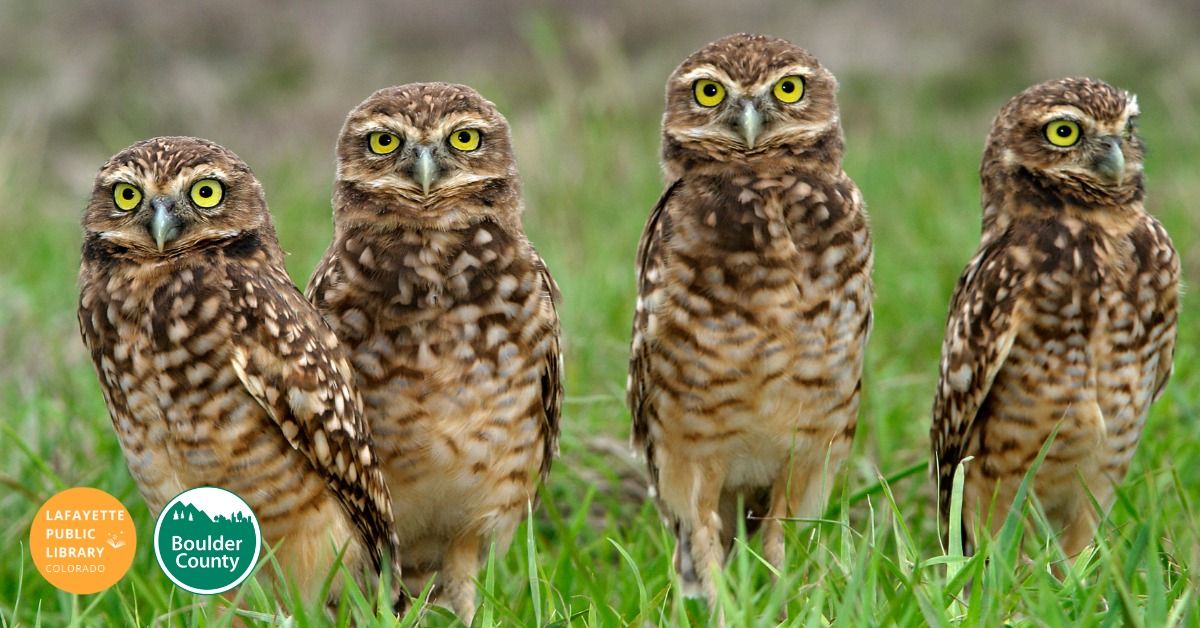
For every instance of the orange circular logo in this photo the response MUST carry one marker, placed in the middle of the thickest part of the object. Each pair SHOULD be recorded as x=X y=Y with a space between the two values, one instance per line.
x=82 y=540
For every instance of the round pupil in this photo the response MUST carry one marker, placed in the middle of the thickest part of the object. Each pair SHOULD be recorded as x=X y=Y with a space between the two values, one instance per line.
x=1064 y=131
x=710 y=90
x=127 y=194
x=788 y=87
x=464 y=137
x=205 y=191
x=384 y=140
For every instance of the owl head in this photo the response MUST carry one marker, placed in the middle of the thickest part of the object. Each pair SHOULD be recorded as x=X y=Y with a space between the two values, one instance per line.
x=1071 y=140
x=167 y=196
x=750 y=98
x=425 y=154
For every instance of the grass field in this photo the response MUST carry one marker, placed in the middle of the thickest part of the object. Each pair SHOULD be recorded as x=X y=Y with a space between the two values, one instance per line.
x=595 y=552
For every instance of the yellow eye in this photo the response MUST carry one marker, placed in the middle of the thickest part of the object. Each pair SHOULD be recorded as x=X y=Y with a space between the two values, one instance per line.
x=465 y=140
x=383 y=143
x=126 y=196
x=207 y=193
x=1063 y=133
x=789 y=89
x=708 y=93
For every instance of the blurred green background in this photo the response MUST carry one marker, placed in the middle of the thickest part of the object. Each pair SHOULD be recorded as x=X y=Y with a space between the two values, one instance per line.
x=582 y=86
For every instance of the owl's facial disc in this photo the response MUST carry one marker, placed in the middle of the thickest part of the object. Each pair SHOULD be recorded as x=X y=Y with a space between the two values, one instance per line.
x=158 y=215
x=421 y=164
x=425 y=155
x=1085 y=147
x=172 y=196
x=744 y=115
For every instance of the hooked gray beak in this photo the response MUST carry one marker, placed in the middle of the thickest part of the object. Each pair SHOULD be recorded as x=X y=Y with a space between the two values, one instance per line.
x=165 y=225
x=751 y=123
x=1111 y=164
x=425 y=170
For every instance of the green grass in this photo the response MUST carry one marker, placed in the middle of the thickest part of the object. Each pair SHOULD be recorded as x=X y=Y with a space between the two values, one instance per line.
x=593 y=554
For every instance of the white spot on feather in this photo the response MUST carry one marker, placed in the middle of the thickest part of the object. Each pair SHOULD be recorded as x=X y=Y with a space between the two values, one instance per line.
x=960 y=378
x=321 y=447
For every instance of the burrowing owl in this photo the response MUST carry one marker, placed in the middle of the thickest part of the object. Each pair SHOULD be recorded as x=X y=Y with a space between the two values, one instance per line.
x=215 y=369
x=1065 y=318
x=449 y=315
x=754 y=300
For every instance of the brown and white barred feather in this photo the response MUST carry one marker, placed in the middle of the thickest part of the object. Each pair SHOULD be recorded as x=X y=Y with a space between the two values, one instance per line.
x=754 y=302
x=449 y=315
x=217 y=372
x=753 y=313
x=454 y=337
x=1065 y=319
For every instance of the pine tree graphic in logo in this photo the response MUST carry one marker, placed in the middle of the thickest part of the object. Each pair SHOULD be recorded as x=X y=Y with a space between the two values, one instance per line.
x=207 y=540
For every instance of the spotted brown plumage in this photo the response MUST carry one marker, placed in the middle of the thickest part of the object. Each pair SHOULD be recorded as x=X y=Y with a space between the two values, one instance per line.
x=449 y=316
x=1064 y=319
x=215 y=369
x=754 y=302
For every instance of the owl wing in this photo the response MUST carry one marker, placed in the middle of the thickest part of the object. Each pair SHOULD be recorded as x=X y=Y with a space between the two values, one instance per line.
x=985 y=316
x=289 y=360
x=648 y=267
x=323 y=276
x=1165 y=315
x=552 y=372
x=100 y=334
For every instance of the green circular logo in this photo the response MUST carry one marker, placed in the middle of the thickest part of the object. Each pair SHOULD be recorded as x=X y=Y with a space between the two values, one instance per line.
x=207 y=540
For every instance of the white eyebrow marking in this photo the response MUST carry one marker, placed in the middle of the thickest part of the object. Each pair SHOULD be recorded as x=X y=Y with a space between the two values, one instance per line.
x=710 y=73
x=801 y=70
x=122 y=174
x=455 y=121
x=176 y=185
x=716 y=74
x=443 y=127
x=382 y=123
x=1064 y=112
x=203 y=171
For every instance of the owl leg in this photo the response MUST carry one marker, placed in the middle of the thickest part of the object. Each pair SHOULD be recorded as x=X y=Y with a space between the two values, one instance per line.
x=416 y=578
x=986 y=500
x=707 y=555
x=1078 y=522
x=800 y=491
x=307 y=546
x=459 y=570
x=691 y=492
x=802 y=488
x=421 y=561
x=772 y=530
x=1075 y=521
x=1078 y=534
x=1080 y=528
